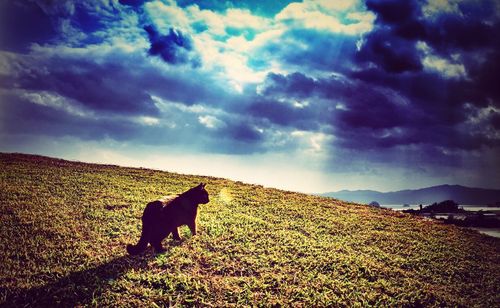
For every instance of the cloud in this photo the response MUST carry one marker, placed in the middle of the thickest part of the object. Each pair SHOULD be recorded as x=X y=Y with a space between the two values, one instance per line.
x=173 y=48
x=31 y=24
x=211 y=121
x=391 y=53
x=166 y=15
x=495 y=120
x=435 y=64
x=244 y=132
x=134 y=3
x=364 y=117
x=336 y=17
x=258 y=8
x=309 y=51
x=94 y=85
x=22 y=115
x=296 y=84
x=393 y=11
x=444 y=66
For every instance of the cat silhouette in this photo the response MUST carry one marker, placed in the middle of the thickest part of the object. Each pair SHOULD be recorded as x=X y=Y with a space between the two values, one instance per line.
x=164 y=216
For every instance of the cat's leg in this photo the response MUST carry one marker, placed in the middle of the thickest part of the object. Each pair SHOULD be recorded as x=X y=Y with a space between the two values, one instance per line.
x=156 y=243
x=143 y=241
x=159 y=233
x=175 y=234
x=192 y=227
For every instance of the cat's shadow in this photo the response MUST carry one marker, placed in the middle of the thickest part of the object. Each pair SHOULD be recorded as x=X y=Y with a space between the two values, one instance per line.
x=81 y=287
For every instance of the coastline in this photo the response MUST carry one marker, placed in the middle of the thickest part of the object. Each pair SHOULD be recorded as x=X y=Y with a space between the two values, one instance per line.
x=494 y=232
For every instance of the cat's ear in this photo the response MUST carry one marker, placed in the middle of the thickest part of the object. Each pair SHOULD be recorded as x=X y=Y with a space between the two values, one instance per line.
x=202 y=185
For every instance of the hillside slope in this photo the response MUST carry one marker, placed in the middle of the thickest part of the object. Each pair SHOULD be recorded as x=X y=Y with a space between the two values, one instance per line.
x=65 y=226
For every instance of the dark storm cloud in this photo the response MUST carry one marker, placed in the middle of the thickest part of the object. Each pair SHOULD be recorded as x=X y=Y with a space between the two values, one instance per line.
x=174 y=47
x=394 y=12
x=76 y=23
x=392 y=43
x=472 y=27
x=23 y=23
x=244 y=132
x=429 y=109
x=401 y=24
x=348 y=105
x=134 y=3
x=486 y=74
x=283 y=114
x=495 y=120
x=97 y=86
x=295 y=84
x=20 y=116
x=465 y=31
x=424 y=112
x=363 y=116
x=288 y=101
x=436 y=98
x=393 y=54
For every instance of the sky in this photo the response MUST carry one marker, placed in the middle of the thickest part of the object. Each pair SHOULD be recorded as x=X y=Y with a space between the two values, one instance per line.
x=309 y=96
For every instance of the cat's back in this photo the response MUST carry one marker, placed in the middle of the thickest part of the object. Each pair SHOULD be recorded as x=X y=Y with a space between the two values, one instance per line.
x=152 y=208
x=166 y=200
x=156 y=206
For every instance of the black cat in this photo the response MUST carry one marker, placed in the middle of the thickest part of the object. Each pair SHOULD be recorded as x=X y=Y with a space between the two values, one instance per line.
x=162 y=217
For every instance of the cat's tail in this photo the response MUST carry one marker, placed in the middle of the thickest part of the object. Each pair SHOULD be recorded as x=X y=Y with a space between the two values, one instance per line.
x=142 y=245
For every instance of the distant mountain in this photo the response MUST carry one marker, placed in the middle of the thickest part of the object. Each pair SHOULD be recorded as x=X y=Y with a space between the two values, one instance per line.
x=460 y=194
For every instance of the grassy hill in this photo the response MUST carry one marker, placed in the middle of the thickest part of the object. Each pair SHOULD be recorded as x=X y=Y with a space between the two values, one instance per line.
x=64 y=227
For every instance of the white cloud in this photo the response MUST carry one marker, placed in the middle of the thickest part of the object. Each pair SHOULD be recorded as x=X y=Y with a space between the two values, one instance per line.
x=434 y=7
x=148 y=121
x=167 y=106
x=225 y=59
x=238 y=18
x=338 y=17
x=338 y=5
x=211 y=122
x=167 y=16
x=228 y=61
x=213 y=21
x=217 y=23
x=432 y=62
x=445 y=67
x=55 y=101
x=312 y=143
x=228 y=57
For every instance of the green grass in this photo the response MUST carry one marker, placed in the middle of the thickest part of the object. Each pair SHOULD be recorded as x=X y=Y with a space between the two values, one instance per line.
x=64 y=228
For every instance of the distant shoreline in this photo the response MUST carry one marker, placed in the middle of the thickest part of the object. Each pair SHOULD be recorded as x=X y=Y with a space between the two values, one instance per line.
x=455 y=218
x=398 y=207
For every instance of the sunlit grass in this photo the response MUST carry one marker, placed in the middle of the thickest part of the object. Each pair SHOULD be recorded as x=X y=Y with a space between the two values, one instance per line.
x=65 y=226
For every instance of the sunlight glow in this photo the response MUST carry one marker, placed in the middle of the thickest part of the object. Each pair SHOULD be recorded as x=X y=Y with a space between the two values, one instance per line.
x=225 y=195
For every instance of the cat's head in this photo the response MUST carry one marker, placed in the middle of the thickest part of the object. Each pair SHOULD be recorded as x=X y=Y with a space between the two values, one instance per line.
x=199 y=194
